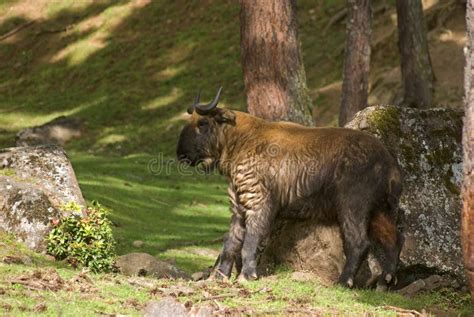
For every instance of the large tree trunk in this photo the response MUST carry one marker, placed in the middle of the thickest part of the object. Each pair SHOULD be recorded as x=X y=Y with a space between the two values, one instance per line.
x=468 y=149
x=275 y=80
x=417 y=72
x=357 y=60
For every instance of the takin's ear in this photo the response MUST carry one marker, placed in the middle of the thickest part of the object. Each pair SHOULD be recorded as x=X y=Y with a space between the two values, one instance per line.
x=225 y=116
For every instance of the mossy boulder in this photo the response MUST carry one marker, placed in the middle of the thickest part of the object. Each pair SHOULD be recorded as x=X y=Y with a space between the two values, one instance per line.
x=427 y=145
x=35 y=184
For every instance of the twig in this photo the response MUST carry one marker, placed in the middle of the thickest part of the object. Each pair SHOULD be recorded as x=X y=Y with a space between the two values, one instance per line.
x=412 y=312
x=28 y=284
x=306 y=311
x=219 y=296
x=213 y=298
x=16 y=30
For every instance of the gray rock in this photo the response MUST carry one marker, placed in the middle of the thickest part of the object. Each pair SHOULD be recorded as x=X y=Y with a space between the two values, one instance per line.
x=431 y=283
x=144 y=264
x=58 y=131
x=197 y=276
x=413 y=288
x=427 y=145
x=35 y=184
x=202 y=275
x=168 y=307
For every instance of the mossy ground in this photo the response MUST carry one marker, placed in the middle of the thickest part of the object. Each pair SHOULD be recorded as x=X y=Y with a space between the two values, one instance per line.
x=130 y=69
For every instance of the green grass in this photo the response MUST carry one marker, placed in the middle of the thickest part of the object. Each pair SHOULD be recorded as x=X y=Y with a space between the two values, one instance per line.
x=108 y=295
x=130 y=69
x=165 y=210
x=279 y=295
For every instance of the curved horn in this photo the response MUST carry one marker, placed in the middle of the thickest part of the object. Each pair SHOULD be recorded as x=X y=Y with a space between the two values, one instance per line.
x=205 y=109
x=198 y=96
x=196 y=101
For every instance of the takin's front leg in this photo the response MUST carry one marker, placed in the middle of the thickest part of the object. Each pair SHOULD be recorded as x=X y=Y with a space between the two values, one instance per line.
x=231 y=249
x=233 y=242
x=257 y=228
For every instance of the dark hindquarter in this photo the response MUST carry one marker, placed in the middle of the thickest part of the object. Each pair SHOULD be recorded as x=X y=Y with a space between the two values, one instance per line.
x=319 y=205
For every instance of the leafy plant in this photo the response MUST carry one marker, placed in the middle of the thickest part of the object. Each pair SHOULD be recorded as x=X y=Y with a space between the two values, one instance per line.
x=83 y=240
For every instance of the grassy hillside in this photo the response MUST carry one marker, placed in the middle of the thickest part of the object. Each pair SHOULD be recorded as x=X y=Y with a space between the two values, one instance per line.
x=129 y=69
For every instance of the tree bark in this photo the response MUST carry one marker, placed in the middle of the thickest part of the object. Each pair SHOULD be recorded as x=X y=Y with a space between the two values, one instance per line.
x=275 y=80
x=356 y=61
x=417 y=71
x=468 y=150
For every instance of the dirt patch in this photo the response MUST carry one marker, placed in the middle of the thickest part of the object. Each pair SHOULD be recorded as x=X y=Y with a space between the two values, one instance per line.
x=49 y=279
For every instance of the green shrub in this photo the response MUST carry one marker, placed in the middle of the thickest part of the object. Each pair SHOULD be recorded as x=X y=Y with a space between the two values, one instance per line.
x=84 y=240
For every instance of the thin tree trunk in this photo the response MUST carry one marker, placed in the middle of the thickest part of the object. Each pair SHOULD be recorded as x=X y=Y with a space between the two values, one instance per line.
x=275 y=80
x=417 y=72
x=468 y=150
x=356 y=61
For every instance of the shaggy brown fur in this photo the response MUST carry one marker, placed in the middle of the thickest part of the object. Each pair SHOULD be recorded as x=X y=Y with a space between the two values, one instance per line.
x=277 y=168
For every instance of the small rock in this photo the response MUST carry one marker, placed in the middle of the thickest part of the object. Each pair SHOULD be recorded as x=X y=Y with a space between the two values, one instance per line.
x=138 y=243
x=168 y=307
x=141 y=282
x=144 y=264
x=201 y=311
x=413 y=288
x=197 y=276
x=435 y=282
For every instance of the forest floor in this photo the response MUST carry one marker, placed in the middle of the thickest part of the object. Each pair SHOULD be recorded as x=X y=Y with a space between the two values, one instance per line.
x=129 y=69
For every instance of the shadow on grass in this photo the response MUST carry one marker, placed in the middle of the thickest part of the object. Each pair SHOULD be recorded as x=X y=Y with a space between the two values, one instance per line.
x=125 y=67
x=166 y=211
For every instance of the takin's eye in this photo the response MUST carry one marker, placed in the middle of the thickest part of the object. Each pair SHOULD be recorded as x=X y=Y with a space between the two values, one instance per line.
x=202 y=123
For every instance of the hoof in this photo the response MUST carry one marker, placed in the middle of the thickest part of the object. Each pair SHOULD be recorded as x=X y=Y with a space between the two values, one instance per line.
x=381 y=287
x=349 y=283
x=384 y=283
x=244 y=278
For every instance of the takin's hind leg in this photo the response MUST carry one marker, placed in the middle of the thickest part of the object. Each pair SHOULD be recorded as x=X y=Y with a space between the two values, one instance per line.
x=356 y=244
x=388 y=241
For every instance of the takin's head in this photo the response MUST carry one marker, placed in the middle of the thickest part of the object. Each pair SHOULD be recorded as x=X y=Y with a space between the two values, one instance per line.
x=200 y=138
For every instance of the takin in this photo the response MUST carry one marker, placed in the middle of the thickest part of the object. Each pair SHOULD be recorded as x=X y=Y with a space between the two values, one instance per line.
x=275 y=169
